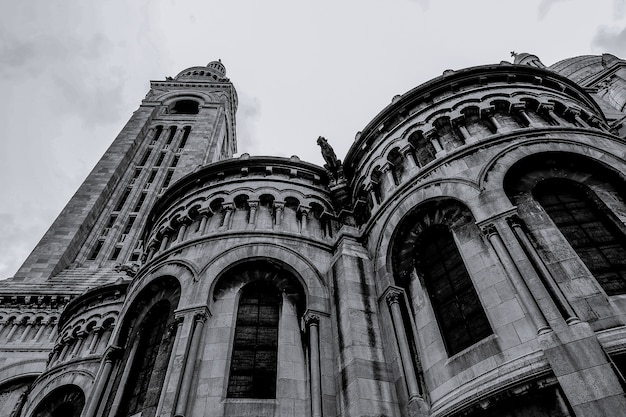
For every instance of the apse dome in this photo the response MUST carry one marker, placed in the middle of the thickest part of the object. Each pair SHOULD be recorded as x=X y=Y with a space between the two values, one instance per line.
x=214 y=71
x=584 y=66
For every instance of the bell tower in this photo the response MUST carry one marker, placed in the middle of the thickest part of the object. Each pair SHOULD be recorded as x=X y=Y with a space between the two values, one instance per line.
x=183 y=123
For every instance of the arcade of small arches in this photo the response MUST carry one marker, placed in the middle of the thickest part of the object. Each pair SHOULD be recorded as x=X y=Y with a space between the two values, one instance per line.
x=467 y=123
x=259 y=211
x=263 y=299
x=27 y=327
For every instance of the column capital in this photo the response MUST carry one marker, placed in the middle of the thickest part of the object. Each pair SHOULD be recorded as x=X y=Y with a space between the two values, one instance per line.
x=253 y=203
x=392 y=295
x=489 y=230
x=195 y=312
x=387 y=166
x=279 y=205
x=515 y=221
x=112 y=353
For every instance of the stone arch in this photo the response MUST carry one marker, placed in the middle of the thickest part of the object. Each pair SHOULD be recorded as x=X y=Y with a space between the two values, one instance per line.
x=461 y=189
x=64 y=401
x=491 y=176
x=310 y=279
x=77 y=380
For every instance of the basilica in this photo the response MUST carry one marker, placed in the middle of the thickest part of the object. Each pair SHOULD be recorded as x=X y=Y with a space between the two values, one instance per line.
x=466 y=257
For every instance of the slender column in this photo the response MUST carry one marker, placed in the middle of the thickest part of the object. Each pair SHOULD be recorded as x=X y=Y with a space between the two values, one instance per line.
x=576 y=113
x=516 y=278
x=181 y=232
x=164 y=241
x=190 y=363
x=392 y=296
x=304 y=218
x=494 y=122
x=555 y=291
x=12 y=331
x=254 y=205
x=53 y=333
x=96 y=338
x=2 y=324
x=176 y=327
x=409 y=157
x=436 y=144
x=370 y=189
x=467 y=137
x=227 y=215
x=42 y=328
x=279 y=206
x=312 y=322
x=29 y=326
x=54 y=355
x=66 y=346
x=387 y=169
x=80 y=338
x=117 y=400
x=102 y=381
x=204 y=217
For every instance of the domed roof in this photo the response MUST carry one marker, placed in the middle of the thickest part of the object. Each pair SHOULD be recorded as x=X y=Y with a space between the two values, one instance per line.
x=214 y=71
x=584 y=66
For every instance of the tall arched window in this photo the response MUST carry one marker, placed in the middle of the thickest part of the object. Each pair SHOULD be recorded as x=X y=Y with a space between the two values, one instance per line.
x=457 y=308
x=143 y=386
x=255 y=348
x=593 y=235
x=65 y=401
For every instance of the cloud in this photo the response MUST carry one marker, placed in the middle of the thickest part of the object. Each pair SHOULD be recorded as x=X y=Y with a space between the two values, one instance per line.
x=546 y=5
x=248 y=113
x=611 y=40
x=425 y=4
x=619 y=9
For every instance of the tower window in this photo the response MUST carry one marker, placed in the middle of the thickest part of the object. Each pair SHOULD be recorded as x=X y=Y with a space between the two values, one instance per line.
x=157 y=133
x=122 y=201
x=142 y=198
x=129 y=224
x=144 y=160
x=175 y=161
x=459 y=313
x=96 y=250
x=183 y=141
x=168 y=178
x=170 y=138
x=160 y=160
x=596 y=239
x=116 y=253
x=255 y=348
x=185 y=107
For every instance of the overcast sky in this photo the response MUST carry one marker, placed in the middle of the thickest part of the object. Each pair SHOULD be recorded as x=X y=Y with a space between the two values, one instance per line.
x=72 y=72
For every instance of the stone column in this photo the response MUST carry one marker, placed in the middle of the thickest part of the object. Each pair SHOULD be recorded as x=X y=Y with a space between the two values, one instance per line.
x=367 y=392
x=42 y=328
x=176 y=327
x=387 y=169
x=80 y=338
x=183 y=229
x=121 y=386
x=12 y=331
x=101 y=381
x=279 y=206
x=553 y=288
x=65 y=348
x=96 y=338
x=190 y=363
x=409 y=156
x=312 y=322
x=393 y=296
x=304 y=217
x=29 y=326
x=165 y=233
x=204 y=217
x=527 y=299
x=432 y=137
x=494 y=122
x=228 y=208
x=254 y=205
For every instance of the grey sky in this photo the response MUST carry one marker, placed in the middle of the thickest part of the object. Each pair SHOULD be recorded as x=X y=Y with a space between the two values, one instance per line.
x=71 y=74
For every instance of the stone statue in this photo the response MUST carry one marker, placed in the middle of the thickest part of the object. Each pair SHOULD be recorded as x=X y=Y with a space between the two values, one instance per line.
x=129 y=269
x=332 y=163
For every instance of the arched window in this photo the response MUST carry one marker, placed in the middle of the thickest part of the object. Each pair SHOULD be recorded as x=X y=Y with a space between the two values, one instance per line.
x=185 y=107
x=145 y=379
x=65 y=401
x=586 y=225
x=457 y=308
x=255 y=348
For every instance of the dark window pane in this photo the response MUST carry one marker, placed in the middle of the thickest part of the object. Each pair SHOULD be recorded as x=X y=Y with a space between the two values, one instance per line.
x=596 y=239
x=459 y=313
x=253 y=364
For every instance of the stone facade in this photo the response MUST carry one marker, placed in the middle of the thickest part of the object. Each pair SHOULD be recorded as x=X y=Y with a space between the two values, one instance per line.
x=468 y=258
